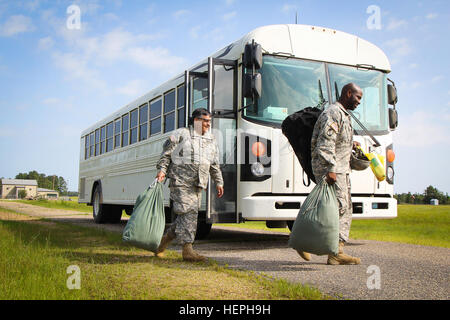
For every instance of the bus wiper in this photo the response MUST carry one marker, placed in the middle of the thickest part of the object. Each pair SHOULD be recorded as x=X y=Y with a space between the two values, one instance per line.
x=322 y=100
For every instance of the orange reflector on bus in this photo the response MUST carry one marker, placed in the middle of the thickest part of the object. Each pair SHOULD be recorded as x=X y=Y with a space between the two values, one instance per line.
x=258 y=149
x=390 y=155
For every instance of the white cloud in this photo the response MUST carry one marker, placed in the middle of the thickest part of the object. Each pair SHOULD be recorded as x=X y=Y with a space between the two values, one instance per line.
x=431 y=16
x=421 y=129
x=400 y=46
x=52 y=101
x=396 y=24
x=15 y=25
x=133 y=88
x=181 y=14
x=288 y=8
x=229 y=2
x=229 y=16
x=156 y=59
x=437 y=78
x=194 y=32
x=76 y=68
x=45 y=43
x=85 y=55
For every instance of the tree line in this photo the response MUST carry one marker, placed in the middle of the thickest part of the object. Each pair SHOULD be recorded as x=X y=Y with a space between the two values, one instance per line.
x=52 y=182
x=423 y=198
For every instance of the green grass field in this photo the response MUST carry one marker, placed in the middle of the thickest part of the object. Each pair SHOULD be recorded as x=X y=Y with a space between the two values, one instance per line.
x=35 y=255
x=415 y=224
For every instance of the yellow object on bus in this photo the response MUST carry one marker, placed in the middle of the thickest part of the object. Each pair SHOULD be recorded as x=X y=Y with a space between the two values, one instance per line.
x=377 y=165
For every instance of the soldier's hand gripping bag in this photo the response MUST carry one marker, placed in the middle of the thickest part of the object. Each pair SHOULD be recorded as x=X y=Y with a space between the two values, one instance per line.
x=146 y=225
x=316 y=228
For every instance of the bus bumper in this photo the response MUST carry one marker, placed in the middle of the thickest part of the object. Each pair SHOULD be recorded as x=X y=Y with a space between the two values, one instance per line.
x=287 y=207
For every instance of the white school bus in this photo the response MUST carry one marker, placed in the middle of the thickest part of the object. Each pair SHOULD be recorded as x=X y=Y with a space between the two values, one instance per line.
x=250 y=87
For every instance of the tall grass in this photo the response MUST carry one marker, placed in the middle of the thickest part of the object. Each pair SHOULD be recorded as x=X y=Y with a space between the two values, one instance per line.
x=34 y=256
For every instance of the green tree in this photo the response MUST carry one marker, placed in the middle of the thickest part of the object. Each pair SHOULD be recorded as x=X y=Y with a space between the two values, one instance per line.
x=52 y=182
x=22 y=194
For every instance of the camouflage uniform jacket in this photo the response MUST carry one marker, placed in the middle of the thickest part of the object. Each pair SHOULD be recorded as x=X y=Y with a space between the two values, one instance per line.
x=188 y=158
x=332 y=141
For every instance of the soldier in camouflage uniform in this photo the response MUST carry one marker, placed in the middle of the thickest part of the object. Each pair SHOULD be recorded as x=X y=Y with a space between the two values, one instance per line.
x=331 y=148
x=189 y=156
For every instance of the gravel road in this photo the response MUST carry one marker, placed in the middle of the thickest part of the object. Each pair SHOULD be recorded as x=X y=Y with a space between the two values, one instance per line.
x=388 y=270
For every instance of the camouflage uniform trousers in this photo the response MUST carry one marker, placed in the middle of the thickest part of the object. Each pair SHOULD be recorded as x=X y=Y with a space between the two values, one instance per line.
x=344 y=198
x=186 y=202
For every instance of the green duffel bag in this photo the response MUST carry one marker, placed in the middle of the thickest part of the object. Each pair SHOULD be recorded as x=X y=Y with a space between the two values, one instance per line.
x=316 y=229
x=147 y=222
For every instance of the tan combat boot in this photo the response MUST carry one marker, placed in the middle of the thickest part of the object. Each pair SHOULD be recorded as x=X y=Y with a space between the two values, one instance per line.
x=190 y=255
x=342 y=258
x=305 y=255
x=165 y=241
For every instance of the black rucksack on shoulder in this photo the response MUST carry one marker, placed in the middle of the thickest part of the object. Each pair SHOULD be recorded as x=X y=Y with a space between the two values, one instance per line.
x=298 y=129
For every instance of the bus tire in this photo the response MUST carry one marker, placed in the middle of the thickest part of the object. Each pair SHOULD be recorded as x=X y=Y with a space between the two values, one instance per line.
x=99 y=210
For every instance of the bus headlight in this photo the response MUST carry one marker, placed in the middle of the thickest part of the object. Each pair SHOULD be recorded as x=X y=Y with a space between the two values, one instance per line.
x=390 y=173
x=257 y=169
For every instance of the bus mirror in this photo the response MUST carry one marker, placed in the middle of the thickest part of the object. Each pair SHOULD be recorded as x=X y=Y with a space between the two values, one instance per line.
x=252 y=55
x=392 y=94
x=393 y=118
x=252 y=85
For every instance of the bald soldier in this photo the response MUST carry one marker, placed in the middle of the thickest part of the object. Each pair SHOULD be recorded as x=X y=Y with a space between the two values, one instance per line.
x=331 y=148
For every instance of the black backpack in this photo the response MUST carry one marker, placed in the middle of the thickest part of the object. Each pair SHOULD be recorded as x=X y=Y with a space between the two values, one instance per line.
x=298 y=129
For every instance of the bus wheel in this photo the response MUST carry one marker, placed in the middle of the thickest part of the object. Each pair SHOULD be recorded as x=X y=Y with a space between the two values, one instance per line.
x=203 y=229
x=98 y=208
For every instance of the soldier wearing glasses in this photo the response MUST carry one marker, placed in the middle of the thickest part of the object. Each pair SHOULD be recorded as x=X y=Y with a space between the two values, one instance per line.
x=189 y=156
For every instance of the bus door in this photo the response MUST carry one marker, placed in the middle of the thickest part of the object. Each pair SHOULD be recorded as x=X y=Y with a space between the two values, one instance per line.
x=222 y=103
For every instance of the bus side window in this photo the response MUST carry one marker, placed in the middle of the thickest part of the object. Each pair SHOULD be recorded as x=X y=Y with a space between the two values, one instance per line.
x=180 y=107
x=109 y=136
x=86 y=147
x=143 y=119
x=102 y=140
x=155 y=117
x=91 y=145
x=117 y=134
x=200 y=93
x=125 y=121
x=133 y=126
x=97 y=142
x=169 y=111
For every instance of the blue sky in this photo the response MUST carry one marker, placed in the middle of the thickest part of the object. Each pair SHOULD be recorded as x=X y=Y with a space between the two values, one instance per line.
x=55 y=80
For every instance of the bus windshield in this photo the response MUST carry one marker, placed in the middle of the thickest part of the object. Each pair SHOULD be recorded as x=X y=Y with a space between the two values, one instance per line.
x=288 y=85
x=372 y=112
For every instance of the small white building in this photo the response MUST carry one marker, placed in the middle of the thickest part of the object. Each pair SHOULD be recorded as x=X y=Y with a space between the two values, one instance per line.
x=47 y=194
x=434 y=202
